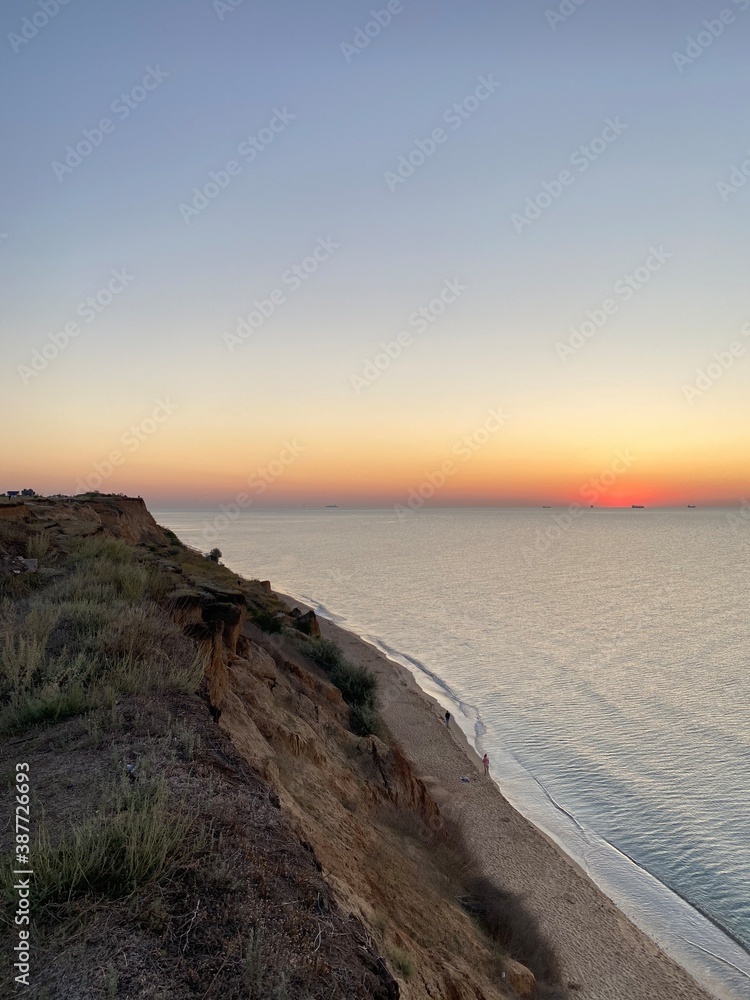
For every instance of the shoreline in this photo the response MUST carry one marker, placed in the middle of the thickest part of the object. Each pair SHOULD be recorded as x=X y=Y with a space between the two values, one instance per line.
x=604 y=953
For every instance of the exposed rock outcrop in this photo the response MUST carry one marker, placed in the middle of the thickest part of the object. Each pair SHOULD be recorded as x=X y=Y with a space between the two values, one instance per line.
x=308 y=624
x=120 y=517
x=522 y=980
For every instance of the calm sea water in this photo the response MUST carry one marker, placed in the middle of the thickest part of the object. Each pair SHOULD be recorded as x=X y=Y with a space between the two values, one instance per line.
x=603 y=665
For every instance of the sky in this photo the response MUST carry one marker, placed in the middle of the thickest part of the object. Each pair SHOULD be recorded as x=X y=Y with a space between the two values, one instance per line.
x=283 y=253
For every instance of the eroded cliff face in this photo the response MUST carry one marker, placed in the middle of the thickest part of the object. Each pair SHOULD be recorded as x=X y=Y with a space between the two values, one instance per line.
x=356 y=800
x=17 y=512
x=128 y=517
x=205 y=886
x=121 y=517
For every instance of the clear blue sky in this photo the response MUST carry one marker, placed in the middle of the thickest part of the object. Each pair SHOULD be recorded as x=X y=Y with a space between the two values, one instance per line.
x=324 y=176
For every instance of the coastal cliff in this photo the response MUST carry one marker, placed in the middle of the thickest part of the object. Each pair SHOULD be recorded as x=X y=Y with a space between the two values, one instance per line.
x=221 y=811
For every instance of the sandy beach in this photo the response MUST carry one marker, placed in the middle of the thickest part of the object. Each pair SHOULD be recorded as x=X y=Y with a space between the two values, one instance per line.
x=603 y=954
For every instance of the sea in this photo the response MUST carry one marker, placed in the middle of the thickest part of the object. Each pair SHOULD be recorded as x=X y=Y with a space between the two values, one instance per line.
x=602 y=660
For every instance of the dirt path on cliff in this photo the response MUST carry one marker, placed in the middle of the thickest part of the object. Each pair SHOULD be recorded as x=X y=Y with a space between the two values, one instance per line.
x=603 y=955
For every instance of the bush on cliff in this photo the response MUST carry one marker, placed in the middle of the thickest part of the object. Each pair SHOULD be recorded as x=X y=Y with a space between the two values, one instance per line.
x=325 y=653
x=267 y=620
x=357 y=684
x=38 y=546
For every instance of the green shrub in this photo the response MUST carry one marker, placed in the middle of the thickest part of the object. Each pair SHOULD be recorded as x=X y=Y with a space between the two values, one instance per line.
x=263 y=967
x=38 y=546
x=15 y=586
x=364 y=720
x=113 y=550
x=158 y=585
x=402 y=962
x=77 y=625
x=134 y=843
x=324 y=652
x=357 y=684
x=48 y=705
x=130 y=675
x=23 y=654
x=103 y=582
x=268 y=621
x=140 y=632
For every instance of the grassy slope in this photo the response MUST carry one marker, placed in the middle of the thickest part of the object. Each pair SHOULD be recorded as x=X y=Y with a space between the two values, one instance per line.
x=180 y=878
x=164 y=865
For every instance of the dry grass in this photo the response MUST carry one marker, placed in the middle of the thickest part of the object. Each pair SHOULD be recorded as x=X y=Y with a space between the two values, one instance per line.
x=87 y=638
x=38 y=546
x=264 y=977
x=138 y=893
x=129 y=845
x=266 y=619
x=192 y=885
x=103 y=582
x=402 y=962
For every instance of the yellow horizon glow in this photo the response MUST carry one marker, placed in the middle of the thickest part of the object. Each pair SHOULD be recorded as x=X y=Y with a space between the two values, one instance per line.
x=369 y=451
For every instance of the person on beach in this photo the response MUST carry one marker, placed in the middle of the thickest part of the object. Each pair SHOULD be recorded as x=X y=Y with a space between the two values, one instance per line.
x=448 y=719
x=486 y=762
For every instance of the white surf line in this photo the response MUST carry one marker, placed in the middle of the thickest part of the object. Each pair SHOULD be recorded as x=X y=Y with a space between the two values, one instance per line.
x=623 y=897
x=718 y=958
